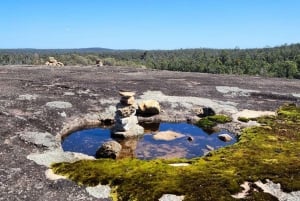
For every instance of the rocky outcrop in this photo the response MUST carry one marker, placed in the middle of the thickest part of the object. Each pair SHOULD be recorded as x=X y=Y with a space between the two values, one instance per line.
x=148 y=107
x=126 y=122
x=53 y=62
x=109 y=149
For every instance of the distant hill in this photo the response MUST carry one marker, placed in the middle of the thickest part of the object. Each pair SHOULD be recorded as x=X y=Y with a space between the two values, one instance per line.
x=281 y=61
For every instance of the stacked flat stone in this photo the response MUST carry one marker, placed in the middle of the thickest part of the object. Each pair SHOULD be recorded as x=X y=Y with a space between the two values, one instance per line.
x=126 y=122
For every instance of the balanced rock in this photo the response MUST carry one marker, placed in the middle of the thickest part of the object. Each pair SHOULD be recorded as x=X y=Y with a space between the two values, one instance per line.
x=124 y=111
x=109 y=149
x=149 y=107
x=225 y=137
x=132 y=133
x=53 y=62
x=126 y=122
x=127 y=100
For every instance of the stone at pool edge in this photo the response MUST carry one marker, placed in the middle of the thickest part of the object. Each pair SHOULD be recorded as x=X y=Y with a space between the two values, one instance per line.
x=225 y=137
x=110 y=149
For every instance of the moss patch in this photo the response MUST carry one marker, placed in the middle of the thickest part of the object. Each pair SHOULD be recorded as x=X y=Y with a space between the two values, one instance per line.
x=209 y=122
x=243 y=119
x=271 y=151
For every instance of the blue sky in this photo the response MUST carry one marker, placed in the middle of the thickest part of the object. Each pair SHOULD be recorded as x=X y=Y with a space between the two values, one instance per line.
x=148 y=24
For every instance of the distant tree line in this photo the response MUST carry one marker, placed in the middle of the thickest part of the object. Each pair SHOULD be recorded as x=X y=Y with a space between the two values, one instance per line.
x=282 y=61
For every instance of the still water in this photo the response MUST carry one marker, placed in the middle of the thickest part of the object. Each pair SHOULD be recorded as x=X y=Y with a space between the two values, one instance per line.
x=194 y=143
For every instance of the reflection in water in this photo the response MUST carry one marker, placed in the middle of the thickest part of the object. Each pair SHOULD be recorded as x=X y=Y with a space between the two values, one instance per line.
x=146 y=147
x=128 y=147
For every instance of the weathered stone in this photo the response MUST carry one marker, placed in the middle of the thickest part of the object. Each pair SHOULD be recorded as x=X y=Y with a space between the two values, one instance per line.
x=125 y=111
x=209 y=148
x=28 y=97
x=109 y=149
x=39 y=139
x=204 y=111
x=59 y=64
x=134 y=132
x=99 y=191
x=59 y=104
x=127 y=100
x=149 y=107
x=126 y=93
x=225 y=137
x=99 y=63
x=125 y=124
x=52 y=60
x=167 y=135
x=171 y=197
x=190 y=138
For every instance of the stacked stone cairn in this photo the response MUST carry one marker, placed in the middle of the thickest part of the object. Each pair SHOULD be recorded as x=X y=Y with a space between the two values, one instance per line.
x=126 y=122
x=53 y=62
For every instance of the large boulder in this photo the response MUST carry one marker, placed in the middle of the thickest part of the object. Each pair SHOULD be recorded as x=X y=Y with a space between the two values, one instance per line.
x=109 y=149
x=148 y=107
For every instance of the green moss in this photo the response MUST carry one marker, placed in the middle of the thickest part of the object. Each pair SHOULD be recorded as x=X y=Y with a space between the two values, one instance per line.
x=220 y=118
x=209 y=122
x=243 y=119
x=268 y=152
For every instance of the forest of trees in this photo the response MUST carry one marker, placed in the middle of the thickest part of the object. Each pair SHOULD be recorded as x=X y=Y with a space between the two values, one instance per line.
x=282 y=61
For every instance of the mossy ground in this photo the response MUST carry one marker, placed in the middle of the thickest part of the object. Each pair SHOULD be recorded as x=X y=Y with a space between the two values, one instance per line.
x=208 y=123
x=244 y=119
x=271 y=152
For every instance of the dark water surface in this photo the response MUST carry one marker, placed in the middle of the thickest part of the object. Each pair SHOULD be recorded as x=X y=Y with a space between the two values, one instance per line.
x=146 y=147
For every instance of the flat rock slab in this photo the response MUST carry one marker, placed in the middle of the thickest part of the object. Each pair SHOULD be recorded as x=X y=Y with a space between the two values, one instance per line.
x=39 y=139
x=171 y=197
x=59 y=104
x=167 y=135
x=99 y=191
x=31 y=95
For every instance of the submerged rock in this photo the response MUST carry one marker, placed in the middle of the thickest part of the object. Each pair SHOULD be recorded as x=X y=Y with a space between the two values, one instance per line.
x=167 y=135
x=109 y=149
x=225 y=137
